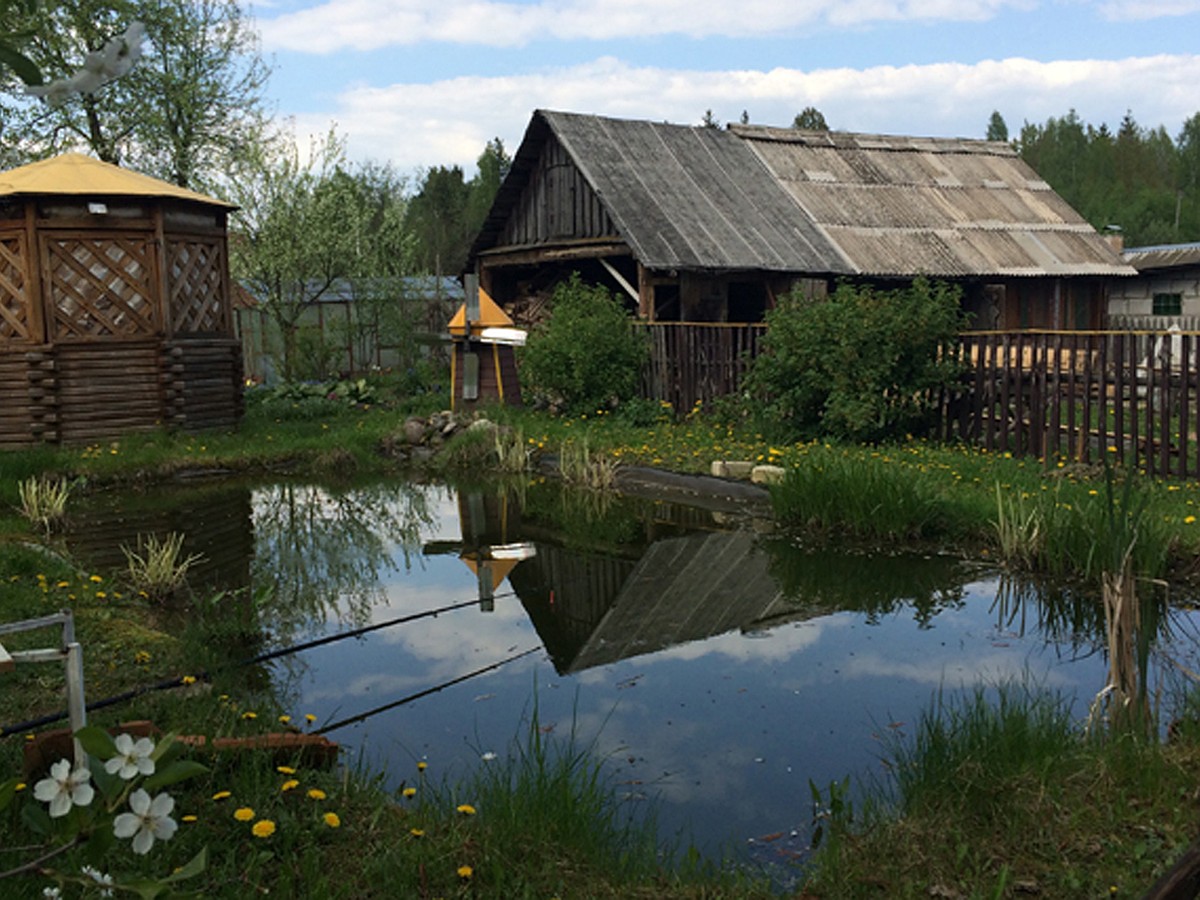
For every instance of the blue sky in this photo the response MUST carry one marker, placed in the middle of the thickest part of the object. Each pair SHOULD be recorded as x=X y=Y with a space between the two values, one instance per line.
x=427 y=82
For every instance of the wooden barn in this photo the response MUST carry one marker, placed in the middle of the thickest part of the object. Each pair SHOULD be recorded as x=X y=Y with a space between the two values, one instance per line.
x=702 y=224
x=114 y=305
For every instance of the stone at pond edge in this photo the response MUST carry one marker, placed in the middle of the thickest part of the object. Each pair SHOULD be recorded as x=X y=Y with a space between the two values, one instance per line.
x=767 y=474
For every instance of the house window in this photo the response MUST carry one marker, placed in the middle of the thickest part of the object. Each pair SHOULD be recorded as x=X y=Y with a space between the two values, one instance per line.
x=1167 y=304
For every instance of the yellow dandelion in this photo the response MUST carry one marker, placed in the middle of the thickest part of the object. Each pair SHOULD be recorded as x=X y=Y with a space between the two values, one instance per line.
x=20 y=786
x=332 y=820
x=316 y=794
x=263 y=828
x=249 y=714
x=465 y=872
x=283 y=720
x=222 y=795
x=1188 y=520
x=309 y=718
x=285 y=770
x=290 y=784
x=466 y=809
x=243 y=814
x=417 y=832
x=95 y=579
x=409 y=792
x=422 y=766
x=188 y=679
x=187 y=818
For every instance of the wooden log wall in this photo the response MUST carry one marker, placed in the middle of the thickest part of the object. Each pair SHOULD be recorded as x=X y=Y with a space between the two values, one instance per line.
x=93 y=391
x=696 y=362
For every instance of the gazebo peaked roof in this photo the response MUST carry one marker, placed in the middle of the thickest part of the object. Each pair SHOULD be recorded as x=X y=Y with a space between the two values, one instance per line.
x=76 y=174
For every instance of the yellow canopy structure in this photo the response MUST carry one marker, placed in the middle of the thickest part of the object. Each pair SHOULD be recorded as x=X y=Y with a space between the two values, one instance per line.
x=79 y=175
x=490 y=316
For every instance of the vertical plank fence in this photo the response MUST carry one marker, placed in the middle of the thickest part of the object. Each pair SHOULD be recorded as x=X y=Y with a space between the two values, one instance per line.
x=697 y=362
x=1079 y=395
x=1055 y=395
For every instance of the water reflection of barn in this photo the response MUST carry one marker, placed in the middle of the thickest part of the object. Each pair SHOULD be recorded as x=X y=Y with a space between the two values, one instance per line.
x=682 y=589
x=114 y=305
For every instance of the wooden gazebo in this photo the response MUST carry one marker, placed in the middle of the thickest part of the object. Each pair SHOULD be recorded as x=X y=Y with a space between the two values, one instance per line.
x=114 y=305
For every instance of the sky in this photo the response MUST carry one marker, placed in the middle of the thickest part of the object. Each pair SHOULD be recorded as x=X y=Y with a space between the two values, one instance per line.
x=422 y=83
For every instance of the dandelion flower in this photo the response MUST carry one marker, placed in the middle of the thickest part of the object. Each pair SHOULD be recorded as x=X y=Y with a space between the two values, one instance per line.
x=316 y=794
x=150 y=820
x=283 y=720
x=332 y=820
x=409 y=792
x=422 y=766
x=285 y=770
x=263 y=828
x=222 y=795
x=309 y=718
x=417 y=832
x=465 y=872
x=290 y=784
x=243 y=814
x=466 y=809
x=249 y=714
x=189 y=818
x=63 y=788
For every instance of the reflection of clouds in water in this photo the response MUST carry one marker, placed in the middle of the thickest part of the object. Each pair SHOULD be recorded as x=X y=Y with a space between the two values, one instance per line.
x=959 y=671
x=757 y=647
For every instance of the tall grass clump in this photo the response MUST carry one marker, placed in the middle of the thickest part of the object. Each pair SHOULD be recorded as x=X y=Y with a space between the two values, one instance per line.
x=158 y=567
x=44 y=501
x=862 y=496
x=579 y=465
x=551 y=792
x=512 y=453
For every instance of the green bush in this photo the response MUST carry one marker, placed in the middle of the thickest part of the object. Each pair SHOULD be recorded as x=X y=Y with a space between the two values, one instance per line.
x=862 y=365
x=586 y=357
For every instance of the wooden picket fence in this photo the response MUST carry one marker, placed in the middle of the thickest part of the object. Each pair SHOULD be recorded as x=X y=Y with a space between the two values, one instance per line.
x=1081 y=395
x=1055 y=395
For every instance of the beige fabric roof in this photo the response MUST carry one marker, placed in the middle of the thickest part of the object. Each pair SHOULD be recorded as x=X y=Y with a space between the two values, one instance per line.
x=76 y=174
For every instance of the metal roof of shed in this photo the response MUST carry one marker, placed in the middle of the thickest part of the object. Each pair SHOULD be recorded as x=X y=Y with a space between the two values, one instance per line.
x=77 y=175
x=946 y=207
x=1163 y=256
x=825 y=203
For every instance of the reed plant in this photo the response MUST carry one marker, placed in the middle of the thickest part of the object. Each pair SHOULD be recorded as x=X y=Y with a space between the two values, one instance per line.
x=512 y=451
x=579 y=465
x=44 y=501
x=158 y=567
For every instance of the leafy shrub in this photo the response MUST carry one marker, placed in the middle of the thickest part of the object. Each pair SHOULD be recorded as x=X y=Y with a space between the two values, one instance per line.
x=586 y=357
x=862 y=365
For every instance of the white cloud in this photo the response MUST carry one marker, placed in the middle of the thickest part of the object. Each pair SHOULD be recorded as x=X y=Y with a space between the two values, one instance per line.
x=371 y=24
x=1135 y=10
x=449 y=122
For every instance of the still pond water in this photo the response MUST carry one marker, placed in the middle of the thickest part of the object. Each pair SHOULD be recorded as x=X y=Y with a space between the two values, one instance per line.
x=718 y=670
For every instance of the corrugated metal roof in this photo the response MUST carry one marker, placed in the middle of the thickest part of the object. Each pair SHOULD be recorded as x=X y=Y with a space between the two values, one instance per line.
x=824 y=203
x=79 y=175
x=691 y=198
x=931 y=206
x=1165 y=256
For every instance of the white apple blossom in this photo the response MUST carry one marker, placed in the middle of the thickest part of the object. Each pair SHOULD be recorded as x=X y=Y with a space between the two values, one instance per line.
x=64 y=788
x=100 y=67
x=150 y=820
x=132 y=759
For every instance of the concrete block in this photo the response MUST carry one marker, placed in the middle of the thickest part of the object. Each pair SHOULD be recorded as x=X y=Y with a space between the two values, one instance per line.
x=730 y=468
x=767 y=474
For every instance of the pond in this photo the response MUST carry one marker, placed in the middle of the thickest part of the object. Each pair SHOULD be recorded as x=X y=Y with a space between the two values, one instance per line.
x=717 y=669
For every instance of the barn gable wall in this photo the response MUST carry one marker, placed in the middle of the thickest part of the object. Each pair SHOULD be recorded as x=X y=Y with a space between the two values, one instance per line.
x=558 y=204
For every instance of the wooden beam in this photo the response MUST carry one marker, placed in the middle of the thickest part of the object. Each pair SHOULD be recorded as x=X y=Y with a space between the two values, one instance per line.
x=621 y=280
x=529 y=256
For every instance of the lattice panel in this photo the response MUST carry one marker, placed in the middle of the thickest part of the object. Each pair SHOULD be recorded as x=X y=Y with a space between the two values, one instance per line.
x=196 y=278
x=102 y=286
x=15 y=322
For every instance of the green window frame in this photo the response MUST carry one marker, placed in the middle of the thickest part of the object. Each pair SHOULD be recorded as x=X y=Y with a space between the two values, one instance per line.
x=1167 y=304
